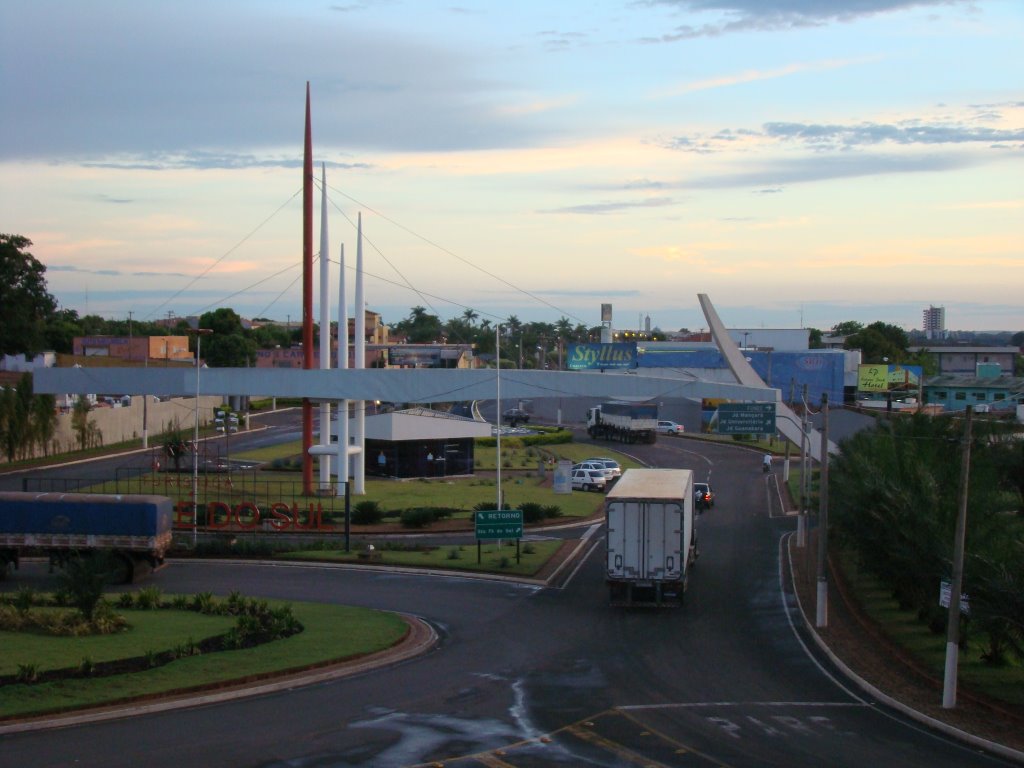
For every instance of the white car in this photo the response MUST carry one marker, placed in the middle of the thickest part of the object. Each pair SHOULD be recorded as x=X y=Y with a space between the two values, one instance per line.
x=588 y=480
x=598 y=466
x=609 y=464
x=670 y=428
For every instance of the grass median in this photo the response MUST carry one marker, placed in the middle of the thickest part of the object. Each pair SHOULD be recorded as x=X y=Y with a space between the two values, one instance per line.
x=533 y=556
x=330 y=634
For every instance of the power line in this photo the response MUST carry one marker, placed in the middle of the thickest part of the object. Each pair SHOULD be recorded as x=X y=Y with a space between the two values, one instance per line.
x=451 y=253
x=227 y=253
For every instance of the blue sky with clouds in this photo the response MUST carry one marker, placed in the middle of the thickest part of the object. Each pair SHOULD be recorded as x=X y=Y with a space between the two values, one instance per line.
x=801 y=161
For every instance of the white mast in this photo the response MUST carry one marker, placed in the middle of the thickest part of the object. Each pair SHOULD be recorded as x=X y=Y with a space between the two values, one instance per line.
x=342 y=363
x=360 y=362
x=325 y=331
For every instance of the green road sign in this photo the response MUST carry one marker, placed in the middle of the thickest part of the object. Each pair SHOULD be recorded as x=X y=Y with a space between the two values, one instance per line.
x=746 y=419
x=499 y=524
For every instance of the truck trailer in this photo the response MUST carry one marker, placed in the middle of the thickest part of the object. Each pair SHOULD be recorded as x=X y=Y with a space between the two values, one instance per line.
x=623 y=422
x=651 y=539
x=136 y=529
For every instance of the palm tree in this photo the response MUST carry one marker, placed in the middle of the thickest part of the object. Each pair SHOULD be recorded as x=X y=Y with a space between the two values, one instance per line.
x=470 y=316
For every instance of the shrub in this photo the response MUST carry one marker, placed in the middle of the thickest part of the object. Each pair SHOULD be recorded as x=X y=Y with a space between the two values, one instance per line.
x=27 y=673
x=552 y=511
x=148 y=599
x=417 y=517
x=202 y=602
x=24 y=598
x=454 y=554
x=84 y=578
x=367 y=512
x=532 y=512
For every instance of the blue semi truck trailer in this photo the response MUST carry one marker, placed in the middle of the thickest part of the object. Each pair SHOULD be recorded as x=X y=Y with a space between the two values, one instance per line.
x=136 y=529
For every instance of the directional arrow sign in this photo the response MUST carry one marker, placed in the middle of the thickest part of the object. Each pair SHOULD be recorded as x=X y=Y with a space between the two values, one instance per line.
x=499 y=524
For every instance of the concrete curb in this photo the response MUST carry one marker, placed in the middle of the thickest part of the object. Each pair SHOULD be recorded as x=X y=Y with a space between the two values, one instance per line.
x=938 y=725
x=421 y=638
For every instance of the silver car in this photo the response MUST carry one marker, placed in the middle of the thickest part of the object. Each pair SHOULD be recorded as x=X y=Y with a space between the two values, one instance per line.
x=609 y=464
x=588 y=480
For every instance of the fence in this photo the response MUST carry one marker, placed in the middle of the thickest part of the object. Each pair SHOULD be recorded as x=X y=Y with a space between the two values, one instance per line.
x=224 y=501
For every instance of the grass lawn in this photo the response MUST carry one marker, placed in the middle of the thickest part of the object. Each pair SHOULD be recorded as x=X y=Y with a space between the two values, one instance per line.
x=1005 y=683
x=493 y=559
x=332 y=633
x=463 y=493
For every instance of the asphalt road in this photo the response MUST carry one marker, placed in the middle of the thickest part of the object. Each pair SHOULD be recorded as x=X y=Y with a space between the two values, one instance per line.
x=527 y=676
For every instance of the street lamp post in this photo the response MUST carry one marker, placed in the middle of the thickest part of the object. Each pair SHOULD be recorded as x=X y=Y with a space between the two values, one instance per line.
x=199 y=332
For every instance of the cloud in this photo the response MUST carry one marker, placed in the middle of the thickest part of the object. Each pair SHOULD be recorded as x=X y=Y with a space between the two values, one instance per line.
x=801 y=170
x=733 y=16
x=109 y=272
x=846 y=136
x=201 y=160
x=600 y=209
x=141 y=78
x=837 y=136
x=757 y=75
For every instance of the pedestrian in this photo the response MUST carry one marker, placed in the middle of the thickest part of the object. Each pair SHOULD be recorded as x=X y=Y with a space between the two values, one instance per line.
x=767 y=464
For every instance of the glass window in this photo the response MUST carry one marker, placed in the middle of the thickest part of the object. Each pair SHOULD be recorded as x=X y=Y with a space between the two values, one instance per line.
x=980 y=397
x=999 y=396
x=960 y=396
x=941 y=395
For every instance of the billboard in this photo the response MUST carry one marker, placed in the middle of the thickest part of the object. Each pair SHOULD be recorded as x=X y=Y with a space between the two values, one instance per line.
x=590 y=357
x=882 y=378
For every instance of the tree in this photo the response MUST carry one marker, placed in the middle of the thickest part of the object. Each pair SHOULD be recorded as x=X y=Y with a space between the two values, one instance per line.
x=879 y=341
x=420 y=327
x=25 y=304
x=847 y=327
x=8 y=426
x=175 y=446
x=814 y=338
x=61 y=330
x=893 y=499
x=85 y=429
x=231 y=351
x=44 y=421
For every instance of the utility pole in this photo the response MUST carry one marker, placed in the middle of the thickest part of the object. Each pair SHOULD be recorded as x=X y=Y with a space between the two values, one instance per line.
x=785 y=463
x=801 y=523
x=953 y=628
x=822 y=613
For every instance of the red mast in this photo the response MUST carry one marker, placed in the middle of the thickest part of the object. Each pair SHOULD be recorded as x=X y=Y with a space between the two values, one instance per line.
x=307 y=299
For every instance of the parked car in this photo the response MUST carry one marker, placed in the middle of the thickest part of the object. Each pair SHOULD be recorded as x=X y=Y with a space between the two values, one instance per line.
x=589 y=480
x=611 y=464
x=516 y=416
x=598 y=466
x=670 y=428
x=703 y=496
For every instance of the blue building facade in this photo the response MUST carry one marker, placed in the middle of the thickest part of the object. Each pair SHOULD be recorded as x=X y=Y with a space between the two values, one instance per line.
x=955 y=393
x=821 y=370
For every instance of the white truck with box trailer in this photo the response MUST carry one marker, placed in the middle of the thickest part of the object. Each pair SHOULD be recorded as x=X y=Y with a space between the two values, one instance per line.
x=623 y=422
x=651 y=540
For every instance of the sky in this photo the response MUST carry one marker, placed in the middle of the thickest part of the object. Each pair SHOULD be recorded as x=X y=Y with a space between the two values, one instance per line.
x=802 y=162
